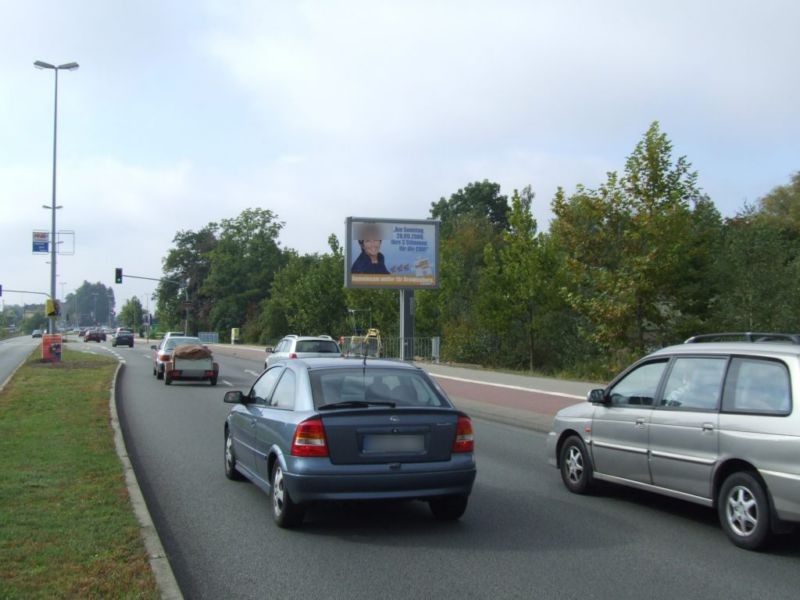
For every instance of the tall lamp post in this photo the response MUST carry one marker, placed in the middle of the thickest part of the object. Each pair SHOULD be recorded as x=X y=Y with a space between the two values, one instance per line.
x=67 y=67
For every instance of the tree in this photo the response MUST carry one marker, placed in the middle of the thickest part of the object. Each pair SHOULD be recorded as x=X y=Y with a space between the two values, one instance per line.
x=626 y=247
x=91 y=304
x=185 y=269
x=758 y=275
x=131 y=315
x=480 y=199
x=519 y=297
x=471 y=218
x=781 y=207
x=243 y=265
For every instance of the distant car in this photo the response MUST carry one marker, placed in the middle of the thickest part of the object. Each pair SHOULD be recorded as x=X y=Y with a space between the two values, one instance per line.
x=36 y=333
x=295 y=346
x=122 y=337
x=712 y=423
x=162 y=353
x=169 y=334
x=323 y=429
x=96 y=335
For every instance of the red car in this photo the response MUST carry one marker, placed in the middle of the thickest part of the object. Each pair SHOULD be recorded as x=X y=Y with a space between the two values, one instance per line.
x=97 y=335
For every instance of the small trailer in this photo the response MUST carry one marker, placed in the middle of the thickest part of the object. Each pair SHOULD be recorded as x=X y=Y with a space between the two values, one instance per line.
x=191 y=361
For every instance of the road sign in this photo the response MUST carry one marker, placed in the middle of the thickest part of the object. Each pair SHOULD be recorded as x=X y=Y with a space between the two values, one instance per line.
x=41 y=242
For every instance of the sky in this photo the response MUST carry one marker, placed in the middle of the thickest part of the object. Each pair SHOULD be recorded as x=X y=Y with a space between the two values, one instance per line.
x=187 y=112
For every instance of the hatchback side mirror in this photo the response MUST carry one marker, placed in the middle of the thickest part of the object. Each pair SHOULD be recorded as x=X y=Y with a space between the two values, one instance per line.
x=269 y=349
x=233 y=397
x=597 y=396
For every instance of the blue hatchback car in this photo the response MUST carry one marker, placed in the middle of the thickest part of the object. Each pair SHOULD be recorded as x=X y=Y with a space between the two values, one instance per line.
x=323 y=429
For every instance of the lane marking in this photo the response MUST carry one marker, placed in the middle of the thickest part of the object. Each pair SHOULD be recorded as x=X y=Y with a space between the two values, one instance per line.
x=508 y=387
x=253 y=373
x=226 y=382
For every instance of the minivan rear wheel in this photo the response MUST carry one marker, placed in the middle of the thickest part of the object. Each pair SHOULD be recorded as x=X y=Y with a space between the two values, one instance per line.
x=576 y=467
x=744 y=511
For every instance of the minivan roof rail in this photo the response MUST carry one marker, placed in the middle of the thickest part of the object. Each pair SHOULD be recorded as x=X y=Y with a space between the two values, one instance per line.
x=746 y=336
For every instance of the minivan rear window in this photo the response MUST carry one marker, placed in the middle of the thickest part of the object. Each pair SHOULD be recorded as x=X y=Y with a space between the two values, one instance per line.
x=757 y=386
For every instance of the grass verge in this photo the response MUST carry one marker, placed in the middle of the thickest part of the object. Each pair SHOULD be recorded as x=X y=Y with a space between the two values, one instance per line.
x=67 y=528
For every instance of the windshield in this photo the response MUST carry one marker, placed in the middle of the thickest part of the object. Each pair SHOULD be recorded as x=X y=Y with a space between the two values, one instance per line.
x=403 y=387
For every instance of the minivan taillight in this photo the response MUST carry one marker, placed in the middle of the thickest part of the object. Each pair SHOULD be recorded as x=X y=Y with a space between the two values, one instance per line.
x=309 y=439
x=465 y=440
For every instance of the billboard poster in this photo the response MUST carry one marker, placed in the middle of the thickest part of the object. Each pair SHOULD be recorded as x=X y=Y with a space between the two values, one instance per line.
x=391 y=253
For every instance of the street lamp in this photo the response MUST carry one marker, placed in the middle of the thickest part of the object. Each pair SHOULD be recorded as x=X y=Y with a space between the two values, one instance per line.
x=66 y=67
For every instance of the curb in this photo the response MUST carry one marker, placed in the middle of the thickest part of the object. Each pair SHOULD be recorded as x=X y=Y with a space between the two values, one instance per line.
x=159 y=563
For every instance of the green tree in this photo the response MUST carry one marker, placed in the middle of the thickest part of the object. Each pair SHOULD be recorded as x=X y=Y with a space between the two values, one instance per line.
x=132 y=314
x=626 y=246
x=91 y=304
x=186 y=268
x=243 y=265
x=757 y=271
x=519 y=300
x=471 y=219
x=781 y=207
x=480 y=199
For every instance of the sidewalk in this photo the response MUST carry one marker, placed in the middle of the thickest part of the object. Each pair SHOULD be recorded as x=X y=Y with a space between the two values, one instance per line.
x=509 y=398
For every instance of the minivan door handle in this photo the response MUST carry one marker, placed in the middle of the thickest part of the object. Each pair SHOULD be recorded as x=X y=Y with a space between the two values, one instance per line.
x=640 y=421
x=708 y=427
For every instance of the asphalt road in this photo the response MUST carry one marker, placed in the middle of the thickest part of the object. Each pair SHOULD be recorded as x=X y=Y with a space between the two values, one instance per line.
x=13 y=352
x=523 y=535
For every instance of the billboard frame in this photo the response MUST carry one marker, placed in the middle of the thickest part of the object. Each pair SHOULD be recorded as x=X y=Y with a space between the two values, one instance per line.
x=419 y=238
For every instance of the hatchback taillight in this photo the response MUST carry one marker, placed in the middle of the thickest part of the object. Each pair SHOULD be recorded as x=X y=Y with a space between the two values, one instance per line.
x=465 y=439
x=309 y=439
x=292 y=355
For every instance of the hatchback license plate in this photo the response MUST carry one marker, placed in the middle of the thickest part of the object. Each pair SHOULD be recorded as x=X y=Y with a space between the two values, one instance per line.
x=377 y=443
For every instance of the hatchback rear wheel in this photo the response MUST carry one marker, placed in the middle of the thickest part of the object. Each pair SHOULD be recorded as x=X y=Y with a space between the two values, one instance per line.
x=744 y=511
x=230 y=459
x=284 y=510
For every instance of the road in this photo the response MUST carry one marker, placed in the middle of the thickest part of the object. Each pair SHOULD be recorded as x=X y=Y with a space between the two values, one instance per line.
x=13 y=352
x=523 y=534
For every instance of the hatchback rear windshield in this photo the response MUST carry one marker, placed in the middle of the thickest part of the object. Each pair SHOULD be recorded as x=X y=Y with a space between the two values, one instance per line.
x=400 y=386
x=320 y=346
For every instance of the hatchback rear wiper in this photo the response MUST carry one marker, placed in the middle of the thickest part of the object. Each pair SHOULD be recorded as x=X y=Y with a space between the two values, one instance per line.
x=356 y=404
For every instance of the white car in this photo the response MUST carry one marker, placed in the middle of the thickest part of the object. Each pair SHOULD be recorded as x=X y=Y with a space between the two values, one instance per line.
x=296 y=346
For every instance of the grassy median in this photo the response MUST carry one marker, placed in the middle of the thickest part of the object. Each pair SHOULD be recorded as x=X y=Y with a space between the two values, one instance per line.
x=67 y=528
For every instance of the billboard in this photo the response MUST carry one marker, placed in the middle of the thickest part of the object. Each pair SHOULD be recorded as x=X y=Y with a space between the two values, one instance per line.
x=391 y=253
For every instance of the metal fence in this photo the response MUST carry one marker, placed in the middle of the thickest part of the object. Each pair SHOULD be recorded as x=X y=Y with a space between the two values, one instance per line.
x=424 y=349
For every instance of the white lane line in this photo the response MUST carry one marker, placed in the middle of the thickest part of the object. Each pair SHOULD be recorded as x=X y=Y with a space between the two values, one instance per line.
x=508 y=387
x=226 y=382
x=253 y=373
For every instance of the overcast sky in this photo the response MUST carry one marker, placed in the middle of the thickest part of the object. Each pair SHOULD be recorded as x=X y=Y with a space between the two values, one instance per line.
x=185 y=112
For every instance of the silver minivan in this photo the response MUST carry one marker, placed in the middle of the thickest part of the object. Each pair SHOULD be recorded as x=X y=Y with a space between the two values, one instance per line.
x=713 y=423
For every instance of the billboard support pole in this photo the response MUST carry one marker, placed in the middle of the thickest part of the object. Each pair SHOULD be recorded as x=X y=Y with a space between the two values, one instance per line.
x=406 y=324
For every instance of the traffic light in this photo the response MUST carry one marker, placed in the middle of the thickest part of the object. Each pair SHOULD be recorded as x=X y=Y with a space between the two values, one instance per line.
x=118 y=275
